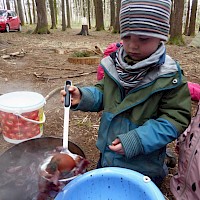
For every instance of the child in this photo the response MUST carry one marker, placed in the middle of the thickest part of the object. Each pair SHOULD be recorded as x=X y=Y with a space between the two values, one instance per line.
x=111 y=48
x=185 y=184
x=144 y=95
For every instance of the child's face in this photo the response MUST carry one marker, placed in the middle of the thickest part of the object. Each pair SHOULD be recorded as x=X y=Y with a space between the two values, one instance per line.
x=139 y=47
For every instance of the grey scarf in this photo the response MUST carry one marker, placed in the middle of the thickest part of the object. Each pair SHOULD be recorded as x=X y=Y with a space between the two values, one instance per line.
x=130 y=75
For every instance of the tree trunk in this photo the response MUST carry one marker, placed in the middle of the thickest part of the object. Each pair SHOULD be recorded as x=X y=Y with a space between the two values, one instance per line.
x=176 y=29
x=68 y=14
x=34 y=14
x=25 y=12
x=64 y=27
x=112 y=14
x=92 y=10
x=21 y=14
x=99 y=15
x=8 y=4
x=116 y=28
x=89 y=20
x=75 y=14
x=56 y=10
x=187 y=19
x=171 y=22
x=53 y=18
x=79 y=8
x=84 y=11
x=84 y=30
x=4 y=5
x=29 y=12
x=42 y=24
x=191 y=31
x=16 y=8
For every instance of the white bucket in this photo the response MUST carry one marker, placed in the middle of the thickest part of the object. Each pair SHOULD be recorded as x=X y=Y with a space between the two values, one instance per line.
x=21 y=116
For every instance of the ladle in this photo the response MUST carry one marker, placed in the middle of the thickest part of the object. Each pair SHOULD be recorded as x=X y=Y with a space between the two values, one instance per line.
x=67 y=105
x=65 y=150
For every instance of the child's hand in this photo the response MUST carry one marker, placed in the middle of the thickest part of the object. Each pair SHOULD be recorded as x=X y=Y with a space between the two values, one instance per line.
x=75 y=95
x=117 y=146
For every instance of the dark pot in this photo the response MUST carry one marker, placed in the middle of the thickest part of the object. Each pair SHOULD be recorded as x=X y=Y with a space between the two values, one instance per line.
x=19 y=167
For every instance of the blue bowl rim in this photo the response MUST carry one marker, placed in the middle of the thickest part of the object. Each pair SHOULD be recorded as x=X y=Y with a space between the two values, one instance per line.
x=133 y=176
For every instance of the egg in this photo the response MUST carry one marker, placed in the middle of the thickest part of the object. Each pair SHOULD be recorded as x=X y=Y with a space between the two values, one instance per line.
x=61 y=162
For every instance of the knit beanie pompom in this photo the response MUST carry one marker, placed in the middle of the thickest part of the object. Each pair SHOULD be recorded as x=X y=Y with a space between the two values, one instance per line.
x=145 y=17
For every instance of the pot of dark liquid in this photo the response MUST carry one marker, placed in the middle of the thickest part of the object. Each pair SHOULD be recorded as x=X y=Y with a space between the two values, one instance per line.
x=19 y=175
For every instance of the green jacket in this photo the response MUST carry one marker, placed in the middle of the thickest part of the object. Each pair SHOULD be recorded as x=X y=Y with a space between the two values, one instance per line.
x=146 y=119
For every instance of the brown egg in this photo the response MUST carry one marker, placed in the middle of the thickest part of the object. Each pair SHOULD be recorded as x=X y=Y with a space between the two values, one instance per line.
x=63 y=162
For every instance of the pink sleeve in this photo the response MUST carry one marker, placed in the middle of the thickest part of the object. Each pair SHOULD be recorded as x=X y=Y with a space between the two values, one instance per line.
x=111 y=48
x=194 y=89
x=100 y=73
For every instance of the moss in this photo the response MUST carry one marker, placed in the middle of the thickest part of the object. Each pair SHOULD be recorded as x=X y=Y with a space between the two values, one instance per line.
x=41 y=30
x=178 y=40
x=101 y=28
x=81 y=54
x=115 y=31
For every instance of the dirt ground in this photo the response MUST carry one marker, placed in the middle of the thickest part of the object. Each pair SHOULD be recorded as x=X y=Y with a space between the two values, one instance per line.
x=41 y=67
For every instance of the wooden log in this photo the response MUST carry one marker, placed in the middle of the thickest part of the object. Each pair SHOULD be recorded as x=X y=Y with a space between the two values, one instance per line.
x=5 y=56
x=85 y=60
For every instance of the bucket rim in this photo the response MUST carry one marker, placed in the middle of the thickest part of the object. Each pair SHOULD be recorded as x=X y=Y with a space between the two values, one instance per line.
x=27 y=101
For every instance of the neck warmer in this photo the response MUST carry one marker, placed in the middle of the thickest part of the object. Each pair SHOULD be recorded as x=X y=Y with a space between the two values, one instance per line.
x=130 y=75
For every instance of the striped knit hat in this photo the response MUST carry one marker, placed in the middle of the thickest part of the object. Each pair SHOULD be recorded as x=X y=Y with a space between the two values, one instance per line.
x=145 y=17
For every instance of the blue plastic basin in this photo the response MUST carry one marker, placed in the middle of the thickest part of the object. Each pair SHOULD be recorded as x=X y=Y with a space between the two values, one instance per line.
x=111 y=183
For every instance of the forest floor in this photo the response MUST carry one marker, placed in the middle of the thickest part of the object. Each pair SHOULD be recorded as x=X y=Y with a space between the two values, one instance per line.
x=41 y=65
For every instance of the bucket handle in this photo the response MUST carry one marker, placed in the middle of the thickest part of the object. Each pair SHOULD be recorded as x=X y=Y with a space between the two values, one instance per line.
x=33 y=121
